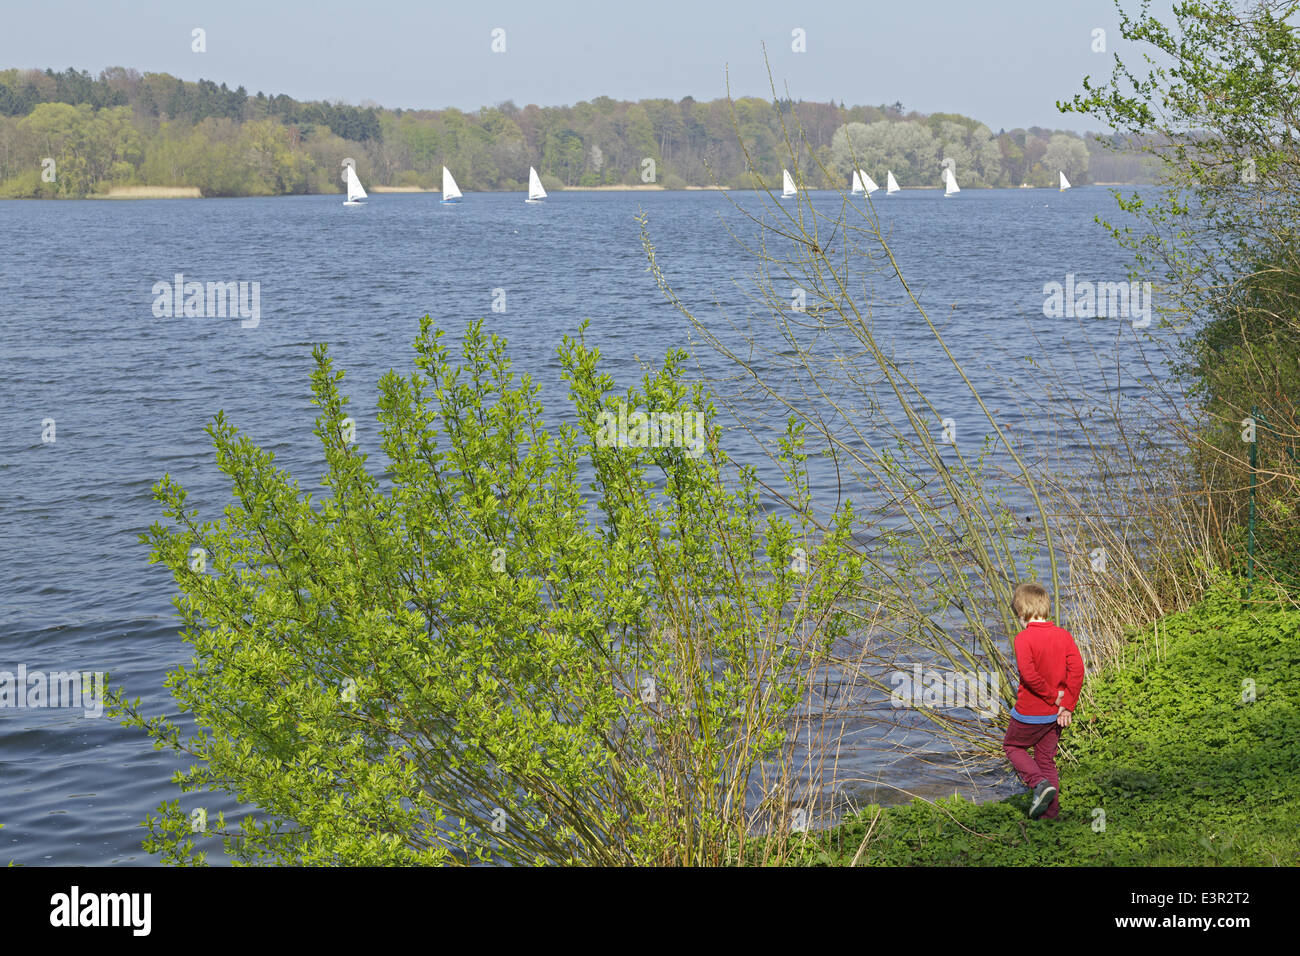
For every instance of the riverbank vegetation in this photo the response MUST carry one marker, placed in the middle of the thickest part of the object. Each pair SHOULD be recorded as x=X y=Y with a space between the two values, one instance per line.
x=125 y=128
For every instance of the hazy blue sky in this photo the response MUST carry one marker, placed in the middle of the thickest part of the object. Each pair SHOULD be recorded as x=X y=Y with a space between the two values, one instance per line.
x=1005 y=62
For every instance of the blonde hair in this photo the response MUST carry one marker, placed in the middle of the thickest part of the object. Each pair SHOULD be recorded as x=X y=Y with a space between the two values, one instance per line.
x=1031 y=601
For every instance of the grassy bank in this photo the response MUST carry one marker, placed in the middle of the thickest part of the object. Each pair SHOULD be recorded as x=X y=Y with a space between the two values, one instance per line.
x=1187 y=770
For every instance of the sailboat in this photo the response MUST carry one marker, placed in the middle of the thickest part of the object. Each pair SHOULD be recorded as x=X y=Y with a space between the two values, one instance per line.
x=535 y=191
x=950 y=186
x=891 y=184
x=355 y=192
x=450 y=191
x=1065 y=183
x=862 y=183
x=787 y=184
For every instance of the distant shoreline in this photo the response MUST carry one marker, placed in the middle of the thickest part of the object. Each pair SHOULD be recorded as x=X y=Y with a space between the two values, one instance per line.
x=150 y=192
x=192 y=192
x=639 y=187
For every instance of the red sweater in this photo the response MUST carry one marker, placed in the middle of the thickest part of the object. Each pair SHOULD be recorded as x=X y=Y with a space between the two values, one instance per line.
x=1051 y=669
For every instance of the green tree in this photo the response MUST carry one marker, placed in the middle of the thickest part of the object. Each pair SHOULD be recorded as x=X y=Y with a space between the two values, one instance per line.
x=1067 y=154
x=90 y=147
x=1219 y=115
x=909 y=149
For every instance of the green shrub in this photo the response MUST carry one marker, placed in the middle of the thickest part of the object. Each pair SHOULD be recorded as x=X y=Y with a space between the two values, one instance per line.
x=491 y=654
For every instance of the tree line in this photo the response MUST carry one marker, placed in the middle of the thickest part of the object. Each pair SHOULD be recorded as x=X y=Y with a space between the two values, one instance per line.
x=73 y=134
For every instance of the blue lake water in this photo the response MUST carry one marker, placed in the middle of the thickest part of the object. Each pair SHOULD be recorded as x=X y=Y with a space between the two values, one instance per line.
x=130 y=393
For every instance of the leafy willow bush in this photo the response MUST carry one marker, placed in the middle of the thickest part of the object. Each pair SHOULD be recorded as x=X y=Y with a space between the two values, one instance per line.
x=480 y=657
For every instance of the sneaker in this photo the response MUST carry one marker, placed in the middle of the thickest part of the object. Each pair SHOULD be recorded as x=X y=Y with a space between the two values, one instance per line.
x=1043 y=794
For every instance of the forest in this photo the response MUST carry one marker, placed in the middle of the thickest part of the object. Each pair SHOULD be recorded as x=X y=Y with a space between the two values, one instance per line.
x=70 y=134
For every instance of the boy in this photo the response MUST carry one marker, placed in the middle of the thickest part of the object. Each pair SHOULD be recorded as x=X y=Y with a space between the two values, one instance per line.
x=1051 y=676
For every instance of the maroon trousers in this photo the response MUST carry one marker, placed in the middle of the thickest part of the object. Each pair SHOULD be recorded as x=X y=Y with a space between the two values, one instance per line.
x=1042 y=766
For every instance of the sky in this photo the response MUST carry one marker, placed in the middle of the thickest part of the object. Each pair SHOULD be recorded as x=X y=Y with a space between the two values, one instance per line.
x=1004 y=62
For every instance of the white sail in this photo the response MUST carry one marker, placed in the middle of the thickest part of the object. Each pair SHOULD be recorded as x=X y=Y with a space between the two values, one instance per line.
x=450 y=190
x=949 y=182
x=868 y=185
x=891 y=184
x=355 y=191
x=1065 y=183
x=856 y=188
x=535 y=190
x=787 y=184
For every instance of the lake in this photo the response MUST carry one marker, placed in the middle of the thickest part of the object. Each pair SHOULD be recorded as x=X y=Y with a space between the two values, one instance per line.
x=129 y=393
